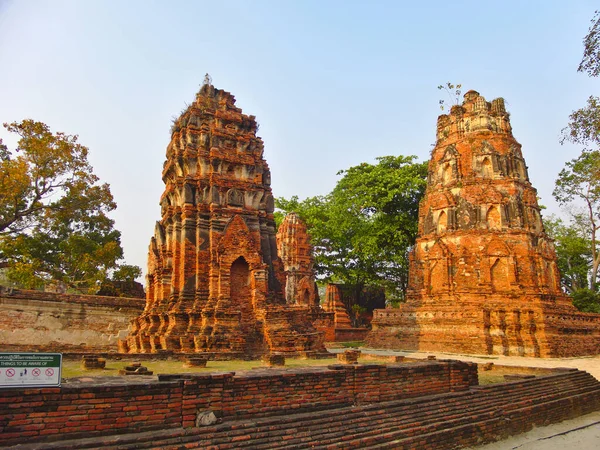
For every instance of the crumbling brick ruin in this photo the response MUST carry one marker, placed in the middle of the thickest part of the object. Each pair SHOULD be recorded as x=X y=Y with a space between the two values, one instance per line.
x=215 y=281
x=296 y=253
x=408 y=405
x=483 y=273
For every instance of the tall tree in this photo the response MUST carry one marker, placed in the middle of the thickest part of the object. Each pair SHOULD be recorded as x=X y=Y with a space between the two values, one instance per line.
x=580 y=180
x=573 y=250
x=362 y=231
x=53 y=212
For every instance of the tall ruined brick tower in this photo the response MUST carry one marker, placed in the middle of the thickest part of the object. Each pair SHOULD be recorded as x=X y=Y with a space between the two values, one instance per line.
x=214 y=280
x=483 y=273
x=295 y=250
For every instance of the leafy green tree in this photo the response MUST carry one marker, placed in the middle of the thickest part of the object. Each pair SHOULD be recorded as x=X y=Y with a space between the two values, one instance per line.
x=573 y=251
x=362 y=231
x=580 y=180
x=53 y=213
x=586 y=300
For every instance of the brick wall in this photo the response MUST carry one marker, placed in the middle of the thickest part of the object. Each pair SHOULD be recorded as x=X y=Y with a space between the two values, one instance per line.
x=33 y=320
x=120 y=406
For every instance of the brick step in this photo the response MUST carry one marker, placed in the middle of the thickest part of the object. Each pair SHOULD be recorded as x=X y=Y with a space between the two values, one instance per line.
x=372 y=423
x=384 y=437
x=465 y=435
x=449 y=432
x=408 y=423
x=266 y=432
x=470 y=434
x=338 y=420
x=373 y=428
x=306 y=429
x=281 y=426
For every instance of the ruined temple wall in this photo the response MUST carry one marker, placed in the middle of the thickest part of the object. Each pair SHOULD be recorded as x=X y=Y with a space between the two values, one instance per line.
x=501 y=325
x=485 y=262
x=34 y=321
x=84 y=410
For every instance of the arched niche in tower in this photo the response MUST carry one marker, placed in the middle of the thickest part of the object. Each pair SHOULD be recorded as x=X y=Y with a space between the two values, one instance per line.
x=487 y=169
x=485 y=161
x=501 y=271
x=448 y=170
x=493 y=218
x=239 y=276
x=189 y=194
x=442 y=222
x=499 y=276
x=437 y=259
x=447 y=175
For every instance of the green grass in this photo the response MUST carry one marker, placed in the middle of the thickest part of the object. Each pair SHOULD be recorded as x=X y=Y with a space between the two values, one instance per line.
x=72 y=368
x=348 y=344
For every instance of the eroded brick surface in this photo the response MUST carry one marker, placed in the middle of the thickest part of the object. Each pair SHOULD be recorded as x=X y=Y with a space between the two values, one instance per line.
x=296 y=253
x=215 y=281
x=46 y=321
x=483 y=273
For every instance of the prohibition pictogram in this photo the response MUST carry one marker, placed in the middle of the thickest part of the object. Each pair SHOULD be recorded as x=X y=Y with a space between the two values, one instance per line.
x=10 y=373
x=36 y=372
x=49 y=372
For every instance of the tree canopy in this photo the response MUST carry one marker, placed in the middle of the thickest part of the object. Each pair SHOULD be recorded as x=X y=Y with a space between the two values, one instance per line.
x=577 y=190
x=573 y=250
x=53 y=212
x=362 y=231
x=580 y=180
x=590 y=62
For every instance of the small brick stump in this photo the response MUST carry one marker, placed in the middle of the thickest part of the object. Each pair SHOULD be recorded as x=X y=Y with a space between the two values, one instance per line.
x=274 y=360
x=135 y=369
x=349 y=357
x=91 y=362
x=196 y=361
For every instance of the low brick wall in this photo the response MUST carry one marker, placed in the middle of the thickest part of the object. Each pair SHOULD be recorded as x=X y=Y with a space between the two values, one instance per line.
x=121 y=406
x=35 y=321
x=350 y=334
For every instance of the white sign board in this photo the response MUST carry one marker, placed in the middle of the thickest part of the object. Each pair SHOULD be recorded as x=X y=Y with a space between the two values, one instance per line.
x=30 y=369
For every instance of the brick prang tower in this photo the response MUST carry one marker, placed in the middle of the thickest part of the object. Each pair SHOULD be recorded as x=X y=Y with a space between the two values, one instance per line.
x=215 y=282
x=483 y=276
x=296 y=253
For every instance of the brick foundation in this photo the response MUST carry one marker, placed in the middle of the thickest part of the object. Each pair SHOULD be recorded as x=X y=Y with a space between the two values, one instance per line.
x=123 y=406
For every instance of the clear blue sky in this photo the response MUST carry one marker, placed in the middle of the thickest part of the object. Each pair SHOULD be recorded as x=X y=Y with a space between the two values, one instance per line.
x=332 y=83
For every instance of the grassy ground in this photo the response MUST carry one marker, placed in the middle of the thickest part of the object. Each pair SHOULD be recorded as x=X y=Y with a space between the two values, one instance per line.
x=72 y=368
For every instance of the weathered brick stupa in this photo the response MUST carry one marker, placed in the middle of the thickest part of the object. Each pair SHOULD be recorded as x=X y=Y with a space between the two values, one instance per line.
x=483 y=273
x=296 y=253
x=214 y=280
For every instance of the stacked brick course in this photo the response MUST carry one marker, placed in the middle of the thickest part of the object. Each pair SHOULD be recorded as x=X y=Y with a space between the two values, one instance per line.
x=433 y=404
x=483 y=273
x=37 y=321
x=112 y=407
x=215 y=281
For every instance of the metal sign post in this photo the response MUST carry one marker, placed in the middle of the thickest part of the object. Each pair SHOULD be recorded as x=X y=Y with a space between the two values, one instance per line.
x=30 y=369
